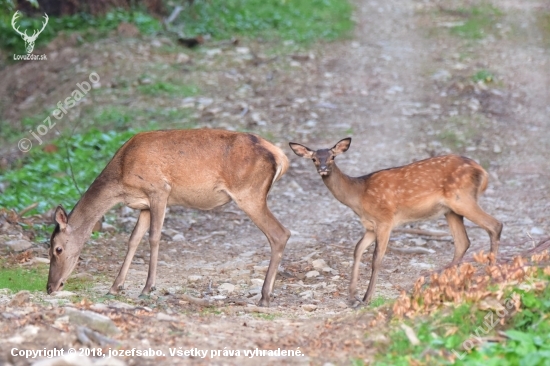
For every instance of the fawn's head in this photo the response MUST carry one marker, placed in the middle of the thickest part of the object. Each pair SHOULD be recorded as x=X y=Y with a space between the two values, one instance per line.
x=64 y=251
x=322 y=158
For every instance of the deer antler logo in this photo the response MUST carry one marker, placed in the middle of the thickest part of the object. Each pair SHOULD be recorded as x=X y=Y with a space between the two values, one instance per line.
x=29 y=40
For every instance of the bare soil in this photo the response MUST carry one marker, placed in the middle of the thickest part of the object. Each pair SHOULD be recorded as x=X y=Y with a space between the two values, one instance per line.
x=402 y=88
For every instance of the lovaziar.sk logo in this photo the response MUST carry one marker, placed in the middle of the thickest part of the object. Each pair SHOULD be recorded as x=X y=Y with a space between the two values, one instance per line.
x=29 y=40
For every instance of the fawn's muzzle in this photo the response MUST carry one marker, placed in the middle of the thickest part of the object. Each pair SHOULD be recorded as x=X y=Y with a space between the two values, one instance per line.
x=323 y=170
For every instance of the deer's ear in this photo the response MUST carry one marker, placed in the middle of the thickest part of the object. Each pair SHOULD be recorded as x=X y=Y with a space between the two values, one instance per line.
x=61 y=217
x=342 y=146
x=301 y=150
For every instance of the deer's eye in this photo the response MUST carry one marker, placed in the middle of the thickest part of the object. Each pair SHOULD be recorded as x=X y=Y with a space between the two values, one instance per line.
x=58 y=250
x=314 y=160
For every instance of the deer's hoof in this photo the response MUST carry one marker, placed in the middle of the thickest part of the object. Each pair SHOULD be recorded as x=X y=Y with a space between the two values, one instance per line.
x=264 y=302
x=356 y=302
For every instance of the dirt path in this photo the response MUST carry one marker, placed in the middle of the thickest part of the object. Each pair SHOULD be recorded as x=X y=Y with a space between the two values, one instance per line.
x=402 y=89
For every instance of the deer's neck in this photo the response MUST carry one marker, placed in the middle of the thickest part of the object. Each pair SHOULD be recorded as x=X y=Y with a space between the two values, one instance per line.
x=98 y=199
x=344 y=188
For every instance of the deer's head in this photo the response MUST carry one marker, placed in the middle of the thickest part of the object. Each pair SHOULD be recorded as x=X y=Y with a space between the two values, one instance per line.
x=64 y=251
x=322 y=158
x=29 y=40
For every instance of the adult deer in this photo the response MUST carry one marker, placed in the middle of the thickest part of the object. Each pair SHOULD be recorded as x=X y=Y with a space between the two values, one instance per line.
x=447 y=185
x=200 y=169
x=29 y=40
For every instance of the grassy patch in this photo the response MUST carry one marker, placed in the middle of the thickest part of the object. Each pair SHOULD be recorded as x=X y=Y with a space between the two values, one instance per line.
x=460 y=131
x=378 y=301
x=265 y=316
x=451 y=139
x=120 y=118
x=91 y=28
x=298 y=20
x=78 y=284
x=479 y=21
x=543 y=24
x=19 y=278
x=210 y=310
x=472 y=334
x=483 y=75
x=162 y=88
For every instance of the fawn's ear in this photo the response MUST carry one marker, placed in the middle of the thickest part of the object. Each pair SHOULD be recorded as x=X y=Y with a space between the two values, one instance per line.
x=61 y=217
x=342 y=146
x=301 y=150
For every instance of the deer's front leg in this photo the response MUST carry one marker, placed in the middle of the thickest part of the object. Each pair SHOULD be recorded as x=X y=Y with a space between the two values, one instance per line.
x=137 y=234
x=360 y=248
x=382 y=237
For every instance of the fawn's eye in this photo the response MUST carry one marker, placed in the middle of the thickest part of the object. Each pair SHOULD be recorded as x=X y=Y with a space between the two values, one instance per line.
x=58 y=250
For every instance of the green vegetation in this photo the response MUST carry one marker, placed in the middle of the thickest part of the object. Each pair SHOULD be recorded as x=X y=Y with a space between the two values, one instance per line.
x=461 y=335
x=459 y=132
x=479 y=20
x=162 y=88
x=18 y=278
x=78 y=284
x=451 y=139
x=483 y=75
x=543 y=24
x=298 y=20
x=45 y=178
x=116 y=118
x=210 y=310
x=91 y=28
x=378 y=301
x=265 y=316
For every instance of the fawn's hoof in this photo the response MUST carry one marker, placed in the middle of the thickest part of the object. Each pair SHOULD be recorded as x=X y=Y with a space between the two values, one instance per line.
x=356 y=302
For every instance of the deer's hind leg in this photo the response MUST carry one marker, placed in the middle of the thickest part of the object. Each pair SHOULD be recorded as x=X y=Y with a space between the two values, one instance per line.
x=469 y=208
x=458 y=231
x=254 y=204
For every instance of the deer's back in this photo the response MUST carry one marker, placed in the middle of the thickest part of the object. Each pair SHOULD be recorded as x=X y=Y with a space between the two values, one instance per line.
x=424 y=188
x=197 y=167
